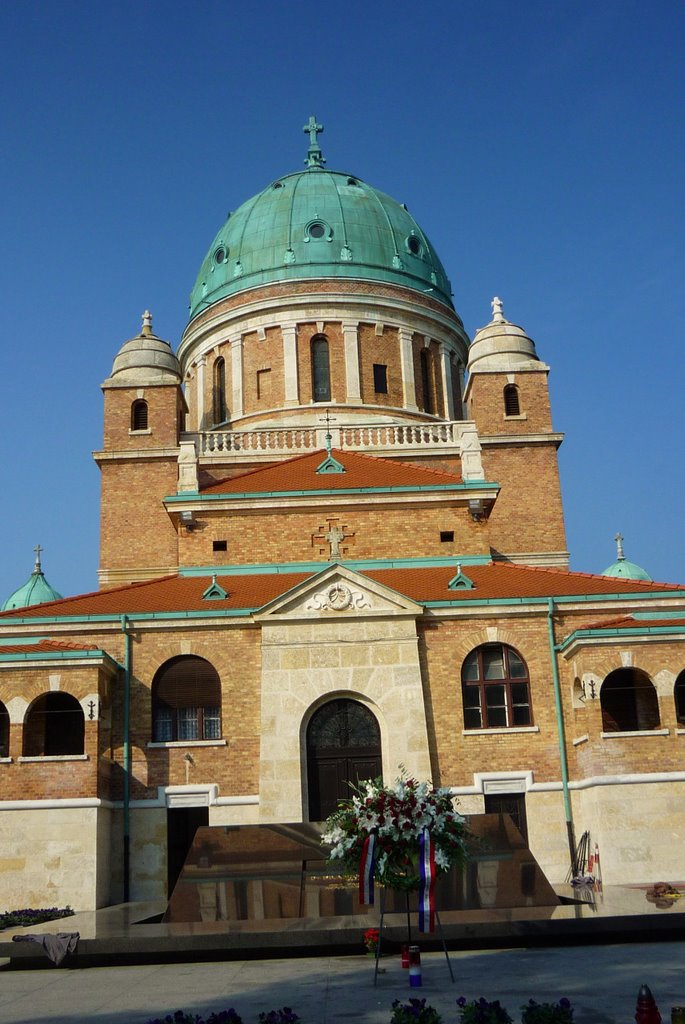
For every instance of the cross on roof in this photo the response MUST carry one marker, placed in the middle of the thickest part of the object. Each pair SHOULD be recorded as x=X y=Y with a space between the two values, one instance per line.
x=329 y=437
x=314 y=155
x=619 y=546
x=38 y=550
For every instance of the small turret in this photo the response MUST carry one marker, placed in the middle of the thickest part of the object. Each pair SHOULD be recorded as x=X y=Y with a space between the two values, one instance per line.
x=624 y=569
x=36 y=590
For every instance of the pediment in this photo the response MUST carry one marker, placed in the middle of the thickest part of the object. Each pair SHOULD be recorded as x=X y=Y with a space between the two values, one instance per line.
x=338 y=592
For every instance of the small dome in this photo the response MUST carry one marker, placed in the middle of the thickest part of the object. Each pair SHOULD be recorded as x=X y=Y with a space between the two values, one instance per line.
x=623 y=568
x=501 y=345
x=36 y=590
x=144 y=360
x=317 y=223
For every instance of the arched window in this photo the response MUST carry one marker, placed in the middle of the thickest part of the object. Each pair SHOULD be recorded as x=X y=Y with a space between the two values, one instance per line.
x=54 y=726
x=139 y=415
x=186 y=701
x=629 y=702
x=679 y=695
x=495 y=688
x=219 y=391
x=4 y=731
x=426 y=382
x=512 y=406
x=321 y=369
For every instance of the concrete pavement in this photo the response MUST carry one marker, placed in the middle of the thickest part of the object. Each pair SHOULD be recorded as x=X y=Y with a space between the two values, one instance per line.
x=601 y=981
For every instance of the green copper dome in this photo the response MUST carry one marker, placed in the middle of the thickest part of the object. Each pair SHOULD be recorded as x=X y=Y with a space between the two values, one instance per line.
x=36 y=590
x=623 y=568
x=317 y=223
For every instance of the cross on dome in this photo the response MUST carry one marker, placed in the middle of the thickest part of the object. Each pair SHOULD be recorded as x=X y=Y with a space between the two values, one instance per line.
x=619 y=546
x=37 y=567
x=147 y=320
x=314 y=155
x=497 y=308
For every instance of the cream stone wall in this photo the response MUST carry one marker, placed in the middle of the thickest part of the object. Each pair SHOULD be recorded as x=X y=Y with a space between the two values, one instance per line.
x=49 y=857
x=313 y=652
x=640 y=829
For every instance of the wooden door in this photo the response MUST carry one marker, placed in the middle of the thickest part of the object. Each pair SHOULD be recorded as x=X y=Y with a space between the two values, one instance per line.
x=343 y=746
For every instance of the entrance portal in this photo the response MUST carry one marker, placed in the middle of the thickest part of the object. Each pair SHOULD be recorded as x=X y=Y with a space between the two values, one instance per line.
x=343 y=747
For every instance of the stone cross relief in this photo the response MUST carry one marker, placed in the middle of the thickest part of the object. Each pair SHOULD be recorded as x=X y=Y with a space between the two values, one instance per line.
x=333 y=537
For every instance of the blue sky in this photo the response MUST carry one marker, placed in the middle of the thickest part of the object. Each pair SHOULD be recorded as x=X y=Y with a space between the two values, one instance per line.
x=540 y=146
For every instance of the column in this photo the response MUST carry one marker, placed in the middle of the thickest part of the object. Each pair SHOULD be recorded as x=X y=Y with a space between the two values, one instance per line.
x=407 y=362
x=291 y=395
x=446 y=375
x=236 y=343
x=351 y=340
x=200 y=395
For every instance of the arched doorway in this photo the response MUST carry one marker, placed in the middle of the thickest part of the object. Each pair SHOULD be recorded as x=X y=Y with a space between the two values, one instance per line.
x=343 y=746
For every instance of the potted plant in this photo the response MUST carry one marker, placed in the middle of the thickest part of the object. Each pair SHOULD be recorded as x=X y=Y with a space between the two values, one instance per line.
x=370 y=940
x=482 y=1011
x=547 y=1013
x=414 y=1012
x=284 y=1016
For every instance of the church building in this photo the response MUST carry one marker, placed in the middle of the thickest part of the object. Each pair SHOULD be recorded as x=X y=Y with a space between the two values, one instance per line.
x=332 y=544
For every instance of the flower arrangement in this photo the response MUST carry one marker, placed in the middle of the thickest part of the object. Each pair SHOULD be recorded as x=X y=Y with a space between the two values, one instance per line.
x=370 y=940
x=414 y=1012
x=547 y=1013
x=481 y=1011
x=397 y=815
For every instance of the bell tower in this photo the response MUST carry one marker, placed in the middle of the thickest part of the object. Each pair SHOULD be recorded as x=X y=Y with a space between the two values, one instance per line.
x=508 y=398
x=143 y=418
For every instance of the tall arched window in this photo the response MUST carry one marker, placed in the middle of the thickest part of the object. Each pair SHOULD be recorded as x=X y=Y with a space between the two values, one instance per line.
x=54 y=726
x=629 y=702
x=219 y=393
x=512 y=406
x=186 y=701
x=139 y=415
x=495 y=688
x=426 y=381
x=321 y=369
x=4 y=731
x=679 y=695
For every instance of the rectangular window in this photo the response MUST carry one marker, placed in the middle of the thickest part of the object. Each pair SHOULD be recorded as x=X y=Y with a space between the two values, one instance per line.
x=212 y=723
x=164 y=725
x=219 y=545
x=187 y=724
x=447 y=536
x=493 y=663
x=380 y=378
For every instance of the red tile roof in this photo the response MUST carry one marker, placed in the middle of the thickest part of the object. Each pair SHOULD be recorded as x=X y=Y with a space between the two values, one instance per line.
x=44 y=647
x=631 y=622
x=184 y=593
x=299 y=474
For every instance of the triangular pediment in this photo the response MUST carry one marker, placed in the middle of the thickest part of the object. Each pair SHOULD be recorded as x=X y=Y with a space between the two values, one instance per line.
x=338 y=592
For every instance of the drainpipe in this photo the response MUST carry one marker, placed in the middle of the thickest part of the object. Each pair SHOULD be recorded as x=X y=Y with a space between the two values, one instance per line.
x=127 y=757
x=561 y=737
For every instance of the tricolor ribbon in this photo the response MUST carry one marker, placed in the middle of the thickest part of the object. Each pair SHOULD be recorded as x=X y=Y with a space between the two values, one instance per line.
x=427 y=882
x=367 y=867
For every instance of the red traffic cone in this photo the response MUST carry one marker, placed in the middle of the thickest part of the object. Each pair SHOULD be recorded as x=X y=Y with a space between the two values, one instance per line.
x=646 y=1011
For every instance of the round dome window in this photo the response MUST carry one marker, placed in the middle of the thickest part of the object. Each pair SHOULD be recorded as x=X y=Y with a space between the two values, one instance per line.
x=221 y=254
x=317 y=229
x=414 y=245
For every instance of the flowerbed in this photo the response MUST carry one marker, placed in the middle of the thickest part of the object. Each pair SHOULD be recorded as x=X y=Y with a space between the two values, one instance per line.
x=22 y=918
